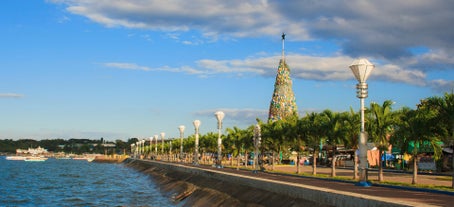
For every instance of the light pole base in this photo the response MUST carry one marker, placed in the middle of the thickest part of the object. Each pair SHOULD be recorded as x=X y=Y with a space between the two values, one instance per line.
x=363 y=184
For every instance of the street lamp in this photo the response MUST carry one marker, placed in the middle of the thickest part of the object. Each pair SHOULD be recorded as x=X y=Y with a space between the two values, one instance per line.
x=257 y=142
x=150 y=152
x=170 y=150
x=162 y=139
x=196 y=151
x=362 y=68
x=219 y=116
x=181 y=128
x=132 y=150
x=156 y=145
x=138 y=149
x=143 y=146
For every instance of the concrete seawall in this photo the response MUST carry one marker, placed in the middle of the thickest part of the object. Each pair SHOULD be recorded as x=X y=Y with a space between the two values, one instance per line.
x=205 y=187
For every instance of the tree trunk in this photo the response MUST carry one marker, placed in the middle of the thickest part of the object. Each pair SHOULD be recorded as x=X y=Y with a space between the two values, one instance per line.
x=333 y=166
x=245 y=158
x=355 y=166
x=380 y=166
x=238 y=161
x=314 y=163
x=272 y=161
x=415 y=170
x=298 y=163
x=452 y=139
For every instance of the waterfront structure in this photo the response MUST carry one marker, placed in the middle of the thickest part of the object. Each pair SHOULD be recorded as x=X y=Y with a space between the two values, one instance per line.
x=181 y=129
x=257 y=141
x=283 y=102
x=362 y=68
x=156 y=144
x=196 y=151
x=219 y=116
x=162 y=139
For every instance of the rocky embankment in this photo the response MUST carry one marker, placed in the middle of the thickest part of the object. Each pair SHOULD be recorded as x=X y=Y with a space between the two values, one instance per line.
x=192 y=187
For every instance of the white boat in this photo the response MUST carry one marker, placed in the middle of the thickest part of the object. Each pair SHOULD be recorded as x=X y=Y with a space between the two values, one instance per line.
x=89 y=159
x=35 y=159
x=16 y=158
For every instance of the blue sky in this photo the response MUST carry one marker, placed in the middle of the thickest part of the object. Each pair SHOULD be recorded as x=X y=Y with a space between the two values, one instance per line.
x=119 y=69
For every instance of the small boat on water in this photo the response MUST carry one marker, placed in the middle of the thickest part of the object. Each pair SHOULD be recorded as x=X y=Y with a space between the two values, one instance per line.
x=89 y=159
x=15 y=157
x=35 y=159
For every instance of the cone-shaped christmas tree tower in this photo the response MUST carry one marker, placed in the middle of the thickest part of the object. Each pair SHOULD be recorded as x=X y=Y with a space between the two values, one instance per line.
x=283 y=101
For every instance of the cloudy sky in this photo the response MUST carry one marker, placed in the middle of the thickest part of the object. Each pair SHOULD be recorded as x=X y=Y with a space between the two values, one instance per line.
x=118 y=69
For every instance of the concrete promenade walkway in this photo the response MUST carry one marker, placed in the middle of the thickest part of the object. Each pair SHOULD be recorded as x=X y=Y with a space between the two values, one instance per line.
x=389 y=194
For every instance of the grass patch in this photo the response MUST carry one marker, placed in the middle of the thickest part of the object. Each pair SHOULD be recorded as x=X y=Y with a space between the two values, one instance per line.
x=430 y=187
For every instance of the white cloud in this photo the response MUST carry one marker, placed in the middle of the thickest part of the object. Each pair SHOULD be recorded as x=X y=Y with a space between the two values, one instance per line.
x=320 y=68
x=11 y=95
x=235 y=114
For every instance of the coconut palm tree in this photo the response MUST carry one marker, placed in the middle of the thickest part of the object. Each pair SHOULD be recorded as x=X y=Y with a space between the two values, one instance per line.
x=272 y=139
x=415 y=127
x=381 y=122
x=236 y=138
x=351 y=127
x=445 y=118
x=313 y=124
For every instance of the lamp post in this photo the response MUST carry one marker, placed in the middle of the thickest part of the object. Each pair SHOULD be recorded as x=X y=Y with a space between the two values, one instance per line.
x=219 y=116
x=138 y=149
x=143 y=146
x=196 y=151
x=162 y=139
x=170 y=150
x=132 y=150
x=362 y=68
x=151 y=148
x=257 y=142
x=181 y=129
x=156 y=145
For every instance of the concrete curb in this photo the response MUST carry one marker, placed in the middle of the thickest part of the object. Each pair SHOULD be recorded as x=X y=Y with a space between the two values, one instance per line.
x=316 y=194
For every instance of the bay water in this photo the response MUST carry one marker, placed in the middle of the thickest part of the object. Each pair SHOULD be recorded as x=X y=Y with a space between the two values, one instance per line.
x=60 y=182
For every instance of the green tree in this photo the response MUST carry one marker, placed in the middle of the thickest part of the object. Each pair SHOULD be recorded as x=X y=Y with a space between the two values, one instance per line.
x=236 y=139
x=314 y=125
x=444 y=106
x=415 y=127
x=351 y=127
x=380 y=123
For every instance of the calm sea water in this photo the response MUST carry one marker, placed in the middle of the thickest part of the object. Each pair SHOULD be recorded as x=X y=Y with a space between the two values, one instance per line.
x=75 y=183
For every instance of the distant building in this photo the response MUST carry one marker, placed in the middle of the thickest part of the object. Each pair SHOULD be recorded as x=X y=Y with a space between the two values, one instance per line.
x=32 y=151
x=283 y=102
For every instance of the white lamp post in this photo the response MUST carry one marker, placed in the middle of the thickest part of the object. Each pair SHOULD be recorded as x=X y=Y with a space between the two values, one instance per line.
x=156 y=145
x=181 y=129
x=170 y=150
x=162 y=139
x=138 y=149
x=257 y=142
x=196 y=151
x=132 y=150
x=143 y=146
x=362 y=68
x=219 y=116
x=150 y=152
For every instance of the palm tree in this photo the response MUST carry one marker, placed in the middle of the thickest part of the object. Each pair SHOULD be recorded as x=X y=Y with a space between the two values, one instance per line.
x=292 y=135
x=381 y=123
x=313 y=124
x=416 y=127
x=273 y=137
x=351 y=127
x=236 y=140
x=445 y=118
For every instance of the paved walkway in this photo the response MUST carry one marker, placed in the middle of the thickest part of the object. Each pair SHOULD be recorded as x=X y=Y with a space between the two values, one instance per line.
x=412 y=198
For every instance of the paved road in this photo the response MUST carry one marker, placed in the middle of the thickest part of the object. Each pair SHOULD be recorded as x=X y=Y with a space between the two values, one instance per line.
x=385 y=193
